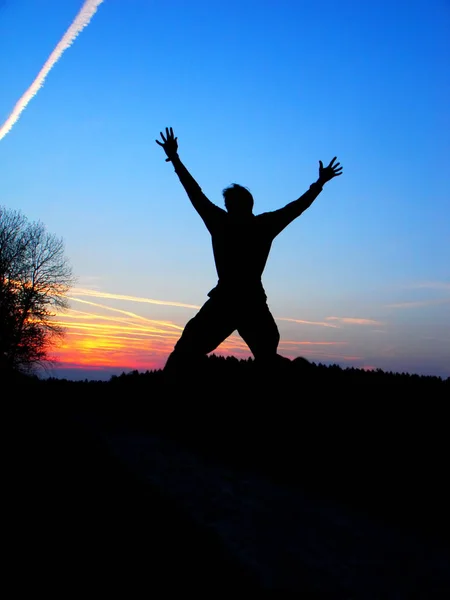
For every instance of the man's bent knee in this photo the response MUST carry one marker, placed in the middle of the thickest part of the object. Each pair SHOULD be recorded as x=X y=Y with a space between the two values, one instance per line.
x=180 y=360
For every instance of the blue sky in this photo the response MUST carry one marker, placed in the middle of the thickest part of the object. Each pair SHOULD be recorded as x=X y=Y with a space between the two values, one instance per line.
x=257 y=93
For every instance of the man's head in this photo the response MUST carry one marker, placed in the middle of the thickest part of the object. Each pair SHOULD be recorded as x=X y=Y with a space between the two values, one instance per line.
x=238 y=200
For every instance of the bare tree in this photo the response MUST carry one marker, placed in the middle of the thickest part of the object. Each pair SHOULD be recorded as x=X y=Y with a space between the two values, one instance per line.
x=35 y=277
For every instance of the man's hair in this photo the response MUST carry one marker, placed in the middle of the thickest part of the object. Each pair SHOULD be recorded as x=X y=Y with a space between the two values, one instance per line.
x=238 y=195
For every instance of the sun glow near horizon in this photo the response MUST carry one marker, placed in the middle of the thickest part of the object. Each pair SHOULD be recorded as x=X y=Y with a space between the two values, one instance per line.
x=104 y=335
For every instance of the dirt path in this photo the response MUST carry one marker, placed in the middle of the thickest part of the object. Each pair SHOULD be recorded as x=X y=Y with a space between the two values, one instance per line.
x=286 y=538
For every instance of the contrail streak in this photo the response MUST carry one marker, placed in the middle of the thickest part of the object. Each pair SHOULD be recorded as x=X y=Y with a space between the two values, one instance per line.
x=96 y=294
x=81 y=21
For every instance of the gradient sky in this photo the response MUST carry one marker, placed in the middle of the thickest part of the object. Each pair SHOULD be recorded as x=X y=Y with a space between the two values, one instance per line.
x=257 y=92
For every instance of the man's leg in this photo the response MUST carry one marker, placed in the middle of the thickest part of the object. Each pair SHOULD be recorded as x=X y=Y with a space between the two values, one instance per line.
x=201 y=335
x=260 y=332
x=258 y=329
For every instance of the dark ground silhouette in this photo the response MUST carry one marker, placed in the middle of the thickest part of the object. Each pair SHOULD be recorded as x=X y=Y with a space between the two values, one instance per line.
x=372 y=445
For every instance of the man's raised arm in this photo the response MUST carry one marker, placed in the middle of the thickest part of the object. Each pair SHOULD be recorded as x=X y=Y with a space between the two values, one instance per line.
x=199 y=201
x=291 y=211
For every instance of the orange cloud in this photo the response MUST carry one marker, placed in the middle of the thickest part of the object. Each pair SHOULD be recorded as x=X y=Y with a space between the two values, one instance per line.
x=425 y=285
x=433 y=285
x=420 y=303
x=287 y=343
x=301 y=322
x=354 y=321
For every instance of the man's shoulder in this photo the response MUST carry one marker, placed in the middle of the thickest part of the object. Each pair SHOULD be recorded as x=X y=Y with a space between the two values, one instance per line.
x=266 y=217
x=217 y=213
x=263 y=216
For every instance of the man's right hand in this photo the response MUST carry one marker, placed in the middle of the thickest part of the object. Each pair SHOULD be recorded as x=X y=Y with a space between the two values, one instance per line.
x=169 y=143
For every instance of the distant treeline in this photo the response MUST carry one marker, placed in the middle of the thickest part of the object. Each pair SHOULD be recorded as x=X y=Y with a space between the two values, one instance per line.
x=230 y=369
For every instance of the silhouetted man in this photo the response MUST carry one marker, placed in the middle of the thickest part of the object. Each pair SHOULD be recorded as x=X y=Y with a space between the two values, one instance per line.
x=241 y=244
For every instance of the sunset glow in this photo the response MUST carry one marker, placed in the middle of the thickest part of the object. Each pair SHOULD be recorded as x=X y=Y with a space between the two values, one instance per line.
x=107 y=336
